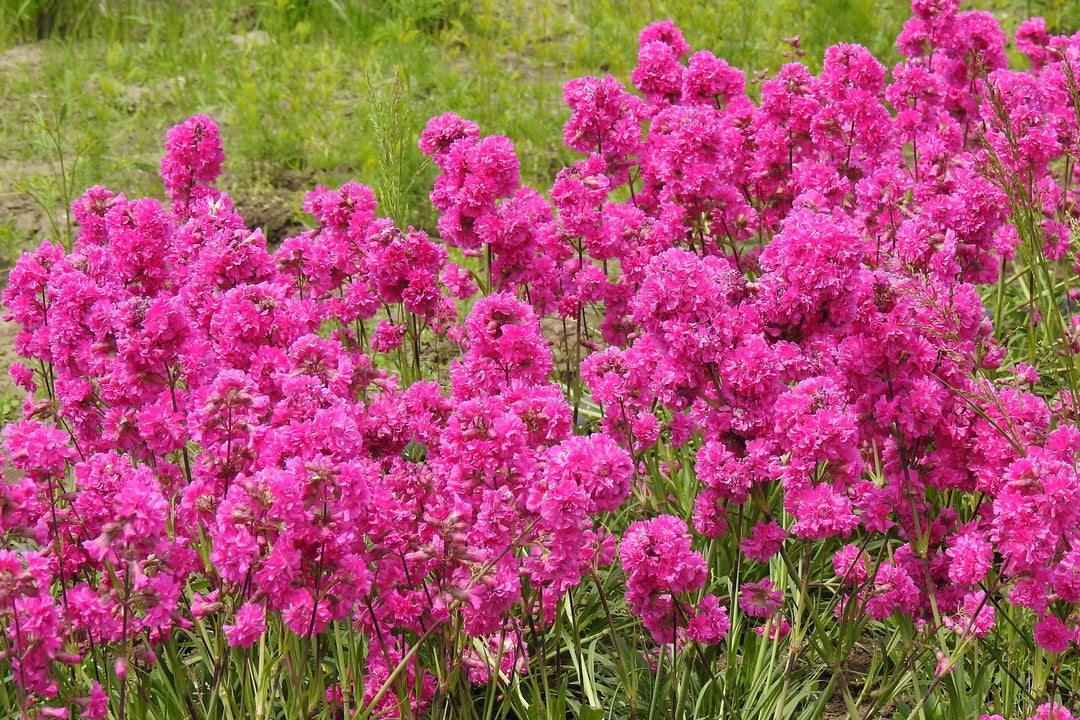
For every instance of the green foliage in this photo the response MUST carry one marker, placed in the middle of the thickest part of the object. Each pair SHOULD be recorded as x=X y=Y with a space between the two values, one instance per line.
x=64 y=150
x=40 y=19
x=12 y=241
x=399 y=162
x=291 y=80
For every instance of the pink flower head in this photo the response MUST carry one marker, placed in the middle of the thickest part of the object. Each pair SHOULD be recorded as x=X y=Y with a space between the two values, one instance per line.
x=975 y=617
x=193 y=159
x=659 y=75
x=1067 y=577
x=602 y=468
x=764 y=541
x=97 y=705
x=1032 y=40
x=459 y=281
x=248 y=626
x=1052 y=711
x=934 y=9
x=710 y=623
x=667 y=33
x=971 y=559
x=777 y=629
x=505 y=343
x=711 y=80
x=388 y=336
x=893 y=590
x=719 y=470
x=659 y=564
x=821 y=512
x=1054 y=635
x=604 y=119
x=760 y=599
x=443 y=131
x=657 y=557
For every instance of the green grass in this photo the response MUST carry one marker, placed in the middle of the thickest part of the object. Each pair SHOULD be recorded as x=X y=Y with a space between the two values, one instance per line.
x=320 y=91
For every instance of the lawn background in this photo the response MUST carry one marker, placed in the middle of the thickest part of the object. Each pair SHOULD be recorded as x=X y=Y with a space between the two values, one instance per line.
x=323 y=91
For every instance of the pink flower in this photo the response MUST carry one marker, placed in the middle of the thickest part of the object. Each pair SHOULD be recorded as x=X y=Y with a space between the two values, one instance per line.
x=710 y=623
x=760 y=599
x=388 y=337
x=602 y=468
x=1053 y=635
x=1052 y=711
x=443 y=131
x=97 y=706
x=976 y=616
x=777 y=630
x=971 y=559
x=893 y=590
x=193 y=160
x=723 y=473
x=248 y=626
x=821 y=512
x=659 y=564
x=604 y=119
x=764 y=541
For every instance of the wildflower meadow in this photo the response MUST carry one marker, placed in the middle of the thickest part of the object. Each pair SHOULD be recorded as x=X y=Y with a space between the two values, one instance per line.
x=767 y=408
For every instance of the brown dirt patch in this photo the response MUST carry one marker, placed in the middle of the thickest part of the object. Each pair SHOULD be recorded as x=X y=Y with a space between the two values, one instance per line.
x=24 y=214
x=273 y=211
x=22 y=58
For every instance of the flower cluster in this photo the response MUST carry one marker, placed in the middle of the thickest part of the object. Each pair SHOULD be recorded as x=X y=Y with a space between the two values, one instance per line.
x=191 y=423
x=773 y=303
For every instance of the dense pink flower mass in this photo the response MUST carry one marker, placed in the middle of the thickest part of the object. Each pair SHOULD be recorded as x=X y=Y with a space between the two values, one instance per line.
x=735 y=337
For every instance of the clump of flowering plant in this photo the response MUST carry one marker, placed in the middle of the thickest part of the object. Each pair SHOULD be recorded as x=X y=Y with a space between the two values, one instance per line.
x=733 y=372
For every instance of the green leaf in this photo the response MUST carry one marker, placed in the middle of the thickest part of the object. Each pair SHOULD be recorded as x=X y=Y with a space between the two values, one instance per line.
x=587 y=712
